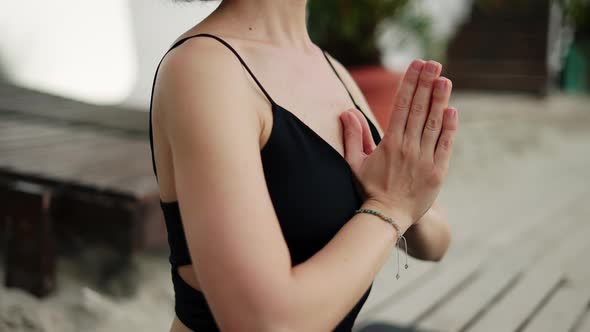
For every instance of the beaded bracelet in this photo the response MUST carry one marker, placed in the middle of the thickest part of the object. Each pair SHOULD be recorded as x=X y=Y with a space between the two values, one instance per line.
x=397 y=228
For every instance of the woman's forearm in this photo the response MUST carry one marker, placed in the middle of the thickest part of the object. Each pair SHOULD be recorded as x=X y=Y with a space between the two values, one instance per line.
x=328 y=285
x=430 y=237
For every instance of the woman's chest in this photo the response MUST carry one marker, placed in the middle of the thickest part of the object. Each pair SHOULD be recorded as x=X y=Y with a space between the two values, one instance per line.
x=311 y=186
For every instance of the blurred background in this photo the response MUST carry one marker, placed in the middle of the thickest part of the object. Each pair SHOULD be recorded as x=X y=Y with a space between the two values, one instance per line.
x=83 y=239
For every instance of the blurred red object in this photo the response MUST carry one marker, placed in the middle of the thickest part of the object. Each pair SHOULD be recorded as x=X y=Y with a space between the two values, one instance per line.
x=379 y=85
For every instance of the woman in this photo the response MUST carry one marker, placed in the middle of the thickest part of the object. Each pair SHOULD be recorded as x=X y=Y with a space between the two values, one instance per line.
x=263 y=160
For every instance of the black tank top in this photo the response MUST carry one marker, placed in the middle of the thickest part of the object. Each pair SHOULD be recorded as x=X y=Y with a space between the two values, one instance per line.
x=311 y=187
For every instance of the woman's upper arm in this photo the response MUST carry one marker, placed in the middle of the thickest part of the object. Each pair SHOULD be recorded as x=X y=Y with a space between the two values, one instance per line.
x=234 y=238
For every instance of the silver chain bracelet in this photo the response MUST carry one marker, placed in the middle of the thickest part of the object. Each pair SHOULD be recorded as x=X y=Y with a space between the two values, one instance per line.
x=397 y=228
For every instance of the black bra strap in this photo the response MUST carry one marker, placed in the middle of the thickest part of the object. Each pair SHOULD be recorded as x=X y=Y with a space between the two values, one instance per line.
x=178 y=43
x=374 y=131
x=341 y=81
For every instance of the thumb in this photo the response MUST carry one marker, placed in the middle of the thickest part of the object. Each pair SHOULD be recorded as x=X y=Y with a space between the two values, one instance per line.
x=353 y=140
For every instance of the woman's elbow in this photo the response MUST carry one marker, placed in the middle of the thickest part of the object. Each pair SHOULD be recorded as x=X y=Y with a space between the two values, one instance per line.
x=446 y=243
x=263 y=322
x=273 y=313
x=288 y=313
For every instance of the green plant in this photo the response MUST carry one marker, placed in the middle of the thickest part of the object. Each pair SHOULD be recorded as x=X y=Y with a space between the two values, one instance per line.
x=578 y=12
x=349 y=28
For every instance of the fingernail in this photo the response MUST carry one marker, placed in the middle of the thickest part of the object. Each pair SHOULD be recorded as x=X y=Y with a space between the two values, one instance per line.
x=431 y=67
x=417 y=65
x=440 y=84
x=453 y=113
x=346 y=116
x=351 y=116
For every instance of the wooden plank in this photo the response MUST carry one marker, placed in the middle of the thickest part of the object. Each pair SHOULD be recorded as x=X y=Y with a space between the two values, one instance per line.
x=524 y=244
x=577 y=275
x=578 y=271
x=454 y=314
x=584 y=324
x=386 y=289
x=43 y=106
x=55 y=162
x=43 y=135
x=83 y=158
x=123 y=196
x=513 y=310
x=529 y=215
x=46 y=142
x=508 y=260
x=18 y=132
x=406 y=311
x=22 y=153
x=562 y=311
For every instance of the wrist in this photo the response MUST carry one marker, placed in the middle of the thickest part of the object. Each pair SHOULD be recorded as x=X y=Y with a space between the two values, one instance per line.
x=401 y=218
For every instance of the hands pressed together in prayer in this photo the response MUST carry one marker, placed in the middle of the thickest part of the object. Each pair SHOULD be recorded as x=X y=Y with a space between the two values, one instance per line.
x=402 y=176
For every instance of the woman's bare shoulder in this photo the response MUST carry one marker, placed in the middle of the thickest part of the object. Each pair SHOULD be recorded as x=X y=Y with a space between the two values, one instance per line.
x=198 y=59
x=202 y=76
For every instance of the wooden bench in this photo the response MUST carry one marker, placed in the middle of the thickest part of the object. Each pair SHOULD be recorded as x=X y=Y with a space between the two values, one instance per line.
x=72 y=175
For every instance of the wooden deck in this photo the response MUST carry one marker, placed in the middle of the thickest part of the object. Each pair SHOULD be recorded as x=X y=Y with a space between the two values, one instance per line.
x=521 y=232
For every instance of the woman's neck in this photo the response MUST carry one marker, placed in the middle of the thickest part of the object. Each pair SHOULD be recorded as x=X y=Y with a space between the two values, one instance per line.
x=279 y=22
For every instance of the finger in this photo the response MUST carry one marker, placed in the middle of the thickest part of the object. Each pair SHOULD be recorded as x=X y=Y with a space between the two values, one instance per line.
x=368 y=142
x=444 y=148
x=440 y=100
x=352 y=138
x=421 y=103
x=403 y=100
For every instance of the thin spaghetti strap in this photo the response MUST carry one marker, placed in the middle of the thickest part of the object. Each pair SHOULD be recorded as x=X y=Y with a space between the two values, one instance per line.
x=175 y=45
x=236 y=54
x=374 y=131
x=341 y=81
